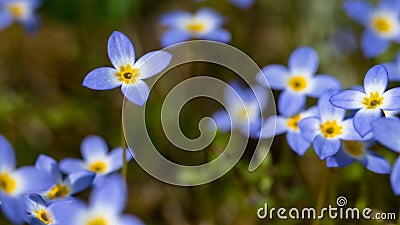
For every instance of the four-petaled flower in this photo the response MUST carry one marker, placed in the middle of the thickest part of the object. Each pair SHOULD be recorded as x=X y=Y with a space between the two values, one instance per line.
x=183 y=26
x=22 y=11
x=371 y=102
x=39 y=212
x=126 y=71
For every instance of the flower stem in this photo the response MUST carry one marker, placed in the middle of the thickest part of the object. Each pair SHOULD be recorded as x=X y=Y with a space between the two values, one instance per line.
x=124 y=156
x=322 y=193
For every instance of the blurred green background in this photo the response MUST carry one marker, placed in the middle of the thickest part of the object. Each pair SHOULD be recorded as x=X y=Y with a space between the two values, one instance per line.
x=45 y=110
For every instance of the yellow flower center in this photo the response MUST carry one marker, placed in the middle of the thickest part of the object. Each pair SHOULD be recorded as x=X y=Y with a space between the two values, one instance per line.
x=293 y=122
x=18 y=10
x=297 y=83
x=373 y=101
x=195 y=27
x=98 y=167
x=354 y=148
x=382 y=25
x=44 y=216
x=7 y=183
x=97 y=221
x=127 y=74
x=330 y=129
x=58 y=191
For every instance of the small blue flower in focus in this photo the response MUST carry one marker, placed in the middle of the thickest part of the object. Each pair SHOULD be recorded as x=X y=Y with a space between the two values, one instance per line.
x=96 y=158
x=126 y=72
x=289 y=125
x=387 y=133
x=106 y=203
x=39 y=212
x=298 y=80
x=22 y=11
x=63 y=188
x=204 y=24
x=245 y=107
x=382 y=24
x=394 y=69
x=371 y=102
x=327 y=130
x=15 y=183
x=358 y=151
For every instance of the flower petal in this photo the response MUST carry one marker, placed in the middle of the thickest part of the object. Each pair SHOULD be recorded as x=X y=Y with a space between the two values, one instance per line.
x=153 y=63
x=395 y=177
x=67 y=212
x=103 y=78
x=174 y=36
x=310 y=128
x=304 y=60
x=386 y=132
x=222 y=120
x=341 y=159
x=291 y=103
x=116 y=159
x=175 y=18
x=93 y=147
x=7 y=156
x=297 y=143
x=31 y=24
x=273 y=126
x=372 y=45
x=376 y=79
x=376 y=163
x=80 y=180
x=13 y=208
x=348 y=99
x=323 y=83
x=349 y=132
x=70 y=165
x=31 y=179
x=120 y=50
x=243 y=4
x=210 y=17
x=391 y=99
x=276 y=75
x=327 y=111
x=137 y=93
x=326 y=147
x=358 y=11
x=393 y=71
x=5 y=20
x=364 y=118
x=221 y=35
x=49 y=165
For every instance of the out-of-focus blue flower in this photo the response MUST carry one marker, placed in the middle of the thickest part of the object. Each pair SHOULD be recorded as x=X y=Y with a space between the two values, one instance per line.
x=387 y=133
x=15 y=183
x=394 y=69
x=204 y=24
x=381 y=22
x=289 y=125
x=243 y=4
x=22 y=11
x=63 y=188
x=358 y=150
x=126 y=71
x=106 y=204
x=38 y=211
x=298 y=80
x=327 y=130
x=96 y=158
x=371 y=102
x=246 y=108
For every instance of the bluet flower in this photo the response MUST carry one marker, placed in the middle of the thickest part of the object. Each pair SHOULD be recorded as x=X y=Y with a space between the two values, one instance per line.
x=127 y=73
x=22 y=11
x=39 y=212
x=371 y=102
x=183 y=26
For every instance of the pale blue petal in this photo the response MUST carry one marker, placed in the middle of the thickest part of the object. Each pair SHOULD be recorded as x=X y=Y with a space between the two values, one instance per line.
x=32 y=179
x=259 y=95
x=13 y=208
x=297 y=143
x=304 y=60
x=273 y=126
x=93 y=146
x=137 y=92
x=349 y=132
x=348 y=99
x=111 y=194
x=364 y=118
x=79 y=181
x=174 y=36
x=341 y=159
x=70 y=165
x=33 y=201
x=393 y=71
x=326 y=147
x=130 y=220
x=67 y=212
x=291 y=103
x=103 y=78
x=153 y=63
x=387 y=132
x=323 y=83
x=209 y=14
x=395 y=177
x=391 y=5
x=116 y=159
x=49 y=165
x=359 y=88
x=222 y=120
x=174 y=18
x=376 y=79
x=391 y=99
x=376 y=163
x=31 y=24
x=276 y=75
x=7 y=155
x=243 y=4
x=358 y=11
x=221 y=35
x=5 y=20
x=120 y=50
x=310 y=128
x=372 y=45
x=327 y=111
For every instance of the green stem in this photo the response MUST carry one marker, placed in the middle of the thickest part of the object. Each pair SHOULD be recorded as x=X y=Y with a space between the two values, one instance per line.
x=322 y=193
x=124 y=157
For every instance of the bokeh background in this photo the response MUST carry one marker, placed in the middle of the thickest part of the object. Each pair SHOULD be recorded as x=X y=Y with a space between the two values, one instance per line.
x=45 y=110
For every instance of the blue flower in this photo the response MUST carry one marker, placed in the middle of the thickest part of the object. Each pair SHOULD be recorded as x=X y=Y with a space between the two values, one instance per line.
x=243 y=4
x=126 y=71
x=22 y=11
x=15 y=183
x=106 y=204
x=387 y=133
x=246 y=108
x=371 y=102
x=394 y=69
x=289 y=125
x=358 y=150
x=39 y=212
x=63 y=188
x=298 y=80
x=96 y=158
x=381 y=22
x=328 y=129
x=183 y=26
